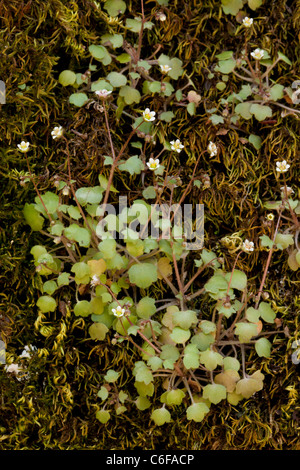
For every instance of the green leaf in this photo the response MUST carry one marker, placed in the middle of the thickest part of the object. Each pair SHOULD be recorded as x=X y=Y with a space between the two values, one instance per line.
x=63 y=279
x=102 y=393
x=263 y=347
x=130 y=95
x=135 y=24
x=142 y=373
x=116 y=79
x=238 y=280
x=284 y=58
x=185 y=320
x=225 y=55
x=226 y=66
x=211 y=359
x=101 y=85
x=214 y=393
x=123 y=58
x=82 y=272
x=98 y=331
x=142 y=403
x=216 y=119
x=173 y=397
x=284 y=240
x=49 y=287
x=143 y=274
x=161 y=416
x=78 y=234
x=50 y=200
x=103 y=416
x=144 y=389
x=115 y=7
x=149 y=193
x=107 y=248
x=254 y=4
x=46 y=304
x=252 y=315
x=191 y=357
x=231 y=363
x=166 y=116
x=67 y=77
x=276 y=92
x=260 y=111
x=266 y=241
x=111 y=376
x=196 y=412
x=243 y=109
x=255 y=140
x=146 y=307
x=179 y=335
x=78 y=99
x=133 y=165
x=191 y=109
x=245 y=331
x=231 y=7
x=115 y=40
x=82 y=308
x=33 y=218
x=91 y=195
x=100 y=53
x=266 y=312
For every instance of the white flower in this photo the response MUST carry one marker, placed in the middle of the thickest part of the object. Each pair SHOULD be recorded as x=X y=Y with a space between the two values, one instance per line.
x=12 y=369
x=27 y=351
x=66 y=190
x=165 y=68
x=57 y=132
x=247 y=22
x=149 y=115
x=102 y=93
x=176 y=145
x=212 y=148
x=282 y=167
x=23 y=146
x=56 y=240
x=270 y=216
x=118 y=312
x=257 y=54
x=248 y=246
x=153 y=164
x=95 y=281
x=160 y=16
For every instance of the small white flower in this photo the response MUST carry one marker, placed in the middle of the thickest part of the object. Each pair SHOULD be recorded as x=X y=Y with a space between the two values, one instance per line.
x=212 y=148
x=149 y=115
x=102 y=93
x=257 y=54
x=12 y=369
x=161 y=16
x=27 y=351
x=248 y=246
x=66 y=190
x=56 y=240
x=165 y=68
x=287 y=190
x=23 y=146
x=118 y=312
x=247 y=22
x=57 y=132
x=282 y=167
x=153 y=164
x=95 y=281
x=176 y=145
x=270 y=216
